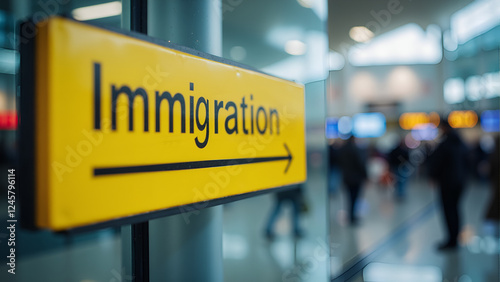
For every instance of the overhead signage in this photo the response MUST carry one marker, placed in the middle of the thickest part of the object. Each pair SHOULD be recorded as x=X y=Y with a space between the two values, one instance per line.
x=409 y=121
x=490 y=120
x=123 y=125
x=8 y=120
x=332 y=128
x=462 y=119
x=368 y=125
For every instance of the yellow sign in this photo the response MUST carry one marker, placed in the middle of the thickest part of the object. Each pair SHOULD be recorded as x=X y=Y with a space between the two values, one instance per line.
x=126 y=127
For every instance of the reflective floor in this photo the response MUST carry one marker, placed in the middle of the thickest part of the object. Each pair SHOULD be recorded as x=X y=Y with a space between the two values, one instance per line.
x=250 y=256
x=413 y=256
x=380 y=215
x=394 y=241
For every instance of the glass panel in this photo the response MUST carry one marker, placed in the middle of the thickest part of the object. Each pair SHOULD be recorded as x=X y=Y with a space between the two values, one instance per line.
x=43 y=255
x=265 y=239
x=427 y=71
x=293 y=46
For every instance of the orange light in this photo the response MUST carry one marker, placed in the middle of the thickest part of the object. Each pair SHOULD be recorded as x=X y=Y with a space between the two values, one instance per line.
x=462 y=119
x=409 y=121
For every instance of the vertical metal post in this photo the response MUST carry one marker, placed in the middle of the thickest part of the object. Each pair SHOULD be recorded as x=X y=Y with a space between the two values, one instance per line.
x=139 y=16
x=140 y=231
x=140 y=252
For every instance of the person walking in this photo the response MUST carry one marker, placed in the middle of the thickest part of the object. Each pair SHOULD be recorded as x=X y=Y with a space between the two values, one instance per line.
x=398 y=160
x=295 y=197
x=493 y=211
x=333 y=169
x=353 y=170
x=447 y=166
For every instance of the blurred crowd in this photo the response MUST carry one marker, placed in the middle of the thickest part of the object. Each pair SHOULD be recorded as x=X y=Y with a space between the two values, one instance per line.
x=448 y=163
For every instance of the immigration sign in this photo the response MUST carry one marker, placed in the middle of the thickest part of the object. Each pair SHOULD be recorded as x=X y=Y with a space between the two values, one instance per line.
x=117 y=125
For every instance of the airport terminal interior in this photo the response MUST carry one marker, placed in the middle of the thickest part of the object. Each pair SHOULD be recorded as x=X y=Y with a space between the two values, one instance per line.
x=402 y=121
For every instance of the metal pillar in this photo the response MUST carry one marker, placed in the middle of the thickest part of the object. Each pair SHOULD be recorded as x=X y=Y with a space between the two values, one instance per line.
x=187 y=247
x=195 y=24
x=135 y=238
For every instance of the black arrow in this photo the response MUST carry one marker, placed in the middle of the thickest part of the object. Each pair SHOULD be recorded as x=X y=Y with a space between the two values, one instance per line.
x=190 y=165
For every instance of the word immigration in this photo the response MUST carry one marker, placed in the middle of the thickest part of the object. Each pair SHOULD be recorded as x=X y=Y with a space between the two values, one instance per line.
x=254 y=119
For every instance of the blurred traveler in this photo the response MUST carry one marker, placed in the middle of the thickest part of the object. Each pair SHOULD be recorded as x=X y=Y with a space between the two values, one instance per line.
x=398 y=164
x=447 y=166
x=479 y=161
x=493 y=212
x=334 y=171
x=354 y=173
x=295 y=197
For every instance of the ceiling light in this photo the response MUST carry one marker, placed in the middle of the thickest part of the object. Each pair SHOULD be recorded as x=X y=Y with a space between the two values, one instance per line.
x=454 y=90
x=450 y=42
x=295 y=47
x=360 y=34
x=305 y=3
x=408 y=44
x=336 y=60
x=98 y=11
x=475 y=19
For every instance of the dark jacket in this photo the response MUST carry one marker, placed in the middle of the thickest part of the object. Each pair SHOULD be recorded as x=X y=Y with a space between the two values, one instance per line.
x=397 y=157
x=448 y=163
x=493 y=212
x=351 y=164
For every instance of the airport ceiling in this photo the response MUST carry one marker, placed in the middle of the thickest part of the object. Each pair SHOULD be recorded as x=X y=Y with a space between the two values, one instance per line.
x=248 y=23
x=345 y=14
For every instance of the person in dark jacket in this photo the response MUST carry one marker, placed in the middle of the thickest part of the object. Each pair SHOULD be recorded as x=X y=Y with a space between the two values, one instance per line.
x=354 y=174
x=334 y=171
x=447 y=166
x=398 y=159
x=493 y=211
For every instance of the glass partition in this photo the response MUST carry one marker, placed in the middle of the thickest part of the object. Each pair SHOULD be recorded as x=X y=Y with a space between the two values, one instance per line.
x=286 y=39
x=423 y=73
x=266 y=238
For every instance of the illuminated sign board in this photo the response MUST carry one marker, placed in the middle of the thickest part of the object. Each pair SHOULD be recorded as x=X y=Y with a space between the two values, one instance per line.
x=332 y=128
x=409 y=121
x=8 y=120
x=462 y=119
x=490 y=120
x=424 y=132
x=366 y=125
x=125 y=126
